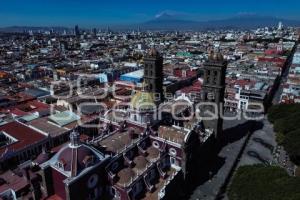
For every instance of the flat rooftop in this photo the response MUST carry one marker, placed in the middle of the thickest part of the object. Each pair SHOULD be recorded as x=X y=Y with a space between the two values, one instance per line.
x=47 y=127
x=172 y=134
x=10 y=180
x=118 y=141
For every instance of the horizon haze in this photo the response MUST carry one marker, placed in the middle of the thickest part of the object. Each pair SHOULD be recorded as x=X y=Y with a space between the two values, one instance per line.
x=94 y=13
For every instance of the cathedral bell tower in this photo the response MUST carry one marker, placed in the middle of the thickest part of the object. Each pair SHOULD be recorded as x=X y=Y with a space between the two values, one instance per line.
x=213 y=91
x=153 y=74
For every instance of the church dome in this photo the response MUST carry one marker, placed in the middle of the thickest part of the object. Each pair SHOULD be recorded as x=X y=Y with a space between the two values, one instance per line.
x=75 y=160
x=143 y=101
x=75 y=157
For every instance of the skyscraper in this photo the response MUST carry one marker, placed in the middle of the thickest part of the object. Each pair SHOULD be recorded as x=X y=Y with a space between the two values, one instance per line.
x=77 y=31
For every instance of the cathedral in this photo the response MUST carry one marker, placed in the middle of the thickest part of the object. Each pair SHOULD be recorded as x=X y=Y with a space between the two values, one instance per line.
x=135 y=159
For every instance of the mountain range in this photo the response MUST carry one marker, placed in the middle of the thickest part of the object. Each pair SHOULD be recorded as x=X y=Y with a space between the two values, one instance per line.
x=167 y=21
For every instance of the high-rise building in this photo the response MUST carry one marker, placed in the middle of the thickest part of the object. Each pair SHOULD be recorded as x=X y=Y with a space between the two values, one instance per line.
x=153 y=73
x=77 y=31
x=107 y=30
x=213 y=91
x=94 y=31
x=280 y=26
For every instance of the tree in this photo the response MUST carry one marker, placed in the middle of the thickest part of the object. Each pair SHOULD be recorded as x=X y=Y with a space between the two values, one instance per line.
x=280 y=138
x=288 y=123
x=264 y=183
x=286 y=119
x=280 y=111
x=291 y=144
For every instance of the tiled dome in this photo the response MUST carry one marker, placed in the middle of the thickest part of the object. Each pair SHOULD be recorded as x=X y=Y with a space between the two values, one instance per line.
x=125 y=175
x=152 y=152
x=143 y=100
x=75 y=160
x=140 y=162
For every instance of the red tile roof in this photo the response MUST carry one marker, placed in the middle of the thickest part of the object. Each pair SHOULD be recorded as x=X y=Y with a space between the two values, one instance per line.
x=12 y=181
x=196 y=87
x=25 y=136
x=17 y=112
x=28 y=107
x=240 y=82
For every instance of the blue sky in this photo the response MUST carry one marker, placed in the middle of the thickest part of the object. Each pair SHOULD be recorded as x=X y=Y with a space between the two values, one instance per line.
x=89 y=13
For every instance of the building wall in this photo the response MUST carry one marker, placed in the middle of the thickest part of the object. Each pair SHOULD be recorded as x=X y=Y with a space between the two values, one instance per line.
x=91 y=185
x=58 y=185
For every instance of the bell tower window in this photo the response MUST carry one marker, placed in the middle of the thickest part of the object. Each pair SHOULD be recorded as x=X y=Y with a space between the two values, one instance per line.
x=208 y=76
x=150 y=86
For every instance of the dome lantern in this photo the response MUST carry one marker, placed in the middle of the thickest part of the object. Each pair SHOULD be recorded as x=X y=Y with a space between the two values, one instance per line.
x=74 y=139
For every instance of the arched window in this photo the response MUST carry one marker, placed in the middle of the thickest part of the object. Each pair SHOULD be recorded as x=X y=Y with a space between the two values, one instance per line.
x=208 y=76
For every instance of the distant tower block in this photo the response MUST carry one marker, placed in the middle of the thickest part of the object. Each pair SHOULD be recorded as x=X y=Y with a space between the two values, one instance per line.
x=77 y=31
x=153 y=73
x=280 y=26
x=213 y=91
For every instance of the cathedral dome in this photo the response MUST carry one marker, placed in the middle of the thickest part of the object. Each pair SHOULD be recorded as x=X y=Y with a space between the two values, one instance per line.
x=143 y=101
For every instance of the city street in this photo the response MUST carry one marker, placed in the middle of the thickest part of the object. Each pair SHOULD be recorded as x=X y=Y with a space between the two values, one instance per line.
x=237 y=138
x=259 y=149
